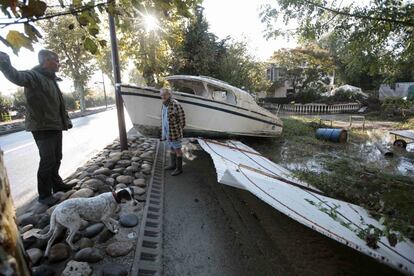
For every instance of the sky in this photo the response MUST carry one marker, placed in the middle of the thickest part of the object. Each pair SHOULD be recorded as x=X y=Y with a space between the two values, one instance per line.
x=238 y=19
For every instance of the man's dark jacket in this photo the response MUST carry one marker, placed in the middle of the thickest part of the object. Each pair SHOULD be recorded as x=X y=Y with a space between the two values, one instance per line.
x=45 y=107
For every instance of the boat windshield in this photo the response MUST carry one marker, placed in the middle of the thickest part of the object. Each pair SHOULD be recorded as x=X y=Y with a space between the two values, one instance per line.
x=205 y=90
x=191 y=87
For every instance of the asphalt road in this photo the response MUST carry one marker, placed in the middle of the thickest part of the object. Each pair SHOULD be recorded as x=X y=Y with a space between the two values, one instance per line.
x=88 y=136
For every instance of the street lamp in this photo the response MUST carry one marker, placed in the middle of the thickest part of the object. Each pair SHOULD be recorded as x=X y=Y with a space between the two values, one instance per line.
x=104 y=89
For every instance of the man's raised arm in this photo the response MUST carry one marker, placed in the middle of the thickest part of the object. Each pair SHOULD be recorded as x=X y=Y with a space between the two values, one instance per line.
x=20 y=78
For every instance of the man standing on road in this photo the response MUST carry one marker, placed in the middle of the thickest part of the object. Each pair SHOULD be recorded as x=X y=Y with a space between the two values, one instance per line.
x=46 y=118
x=173 y=123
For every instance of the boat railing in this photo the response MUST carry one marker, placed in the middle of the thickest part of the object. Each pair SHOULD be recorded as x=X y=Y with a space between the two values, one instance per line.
x=313 y=108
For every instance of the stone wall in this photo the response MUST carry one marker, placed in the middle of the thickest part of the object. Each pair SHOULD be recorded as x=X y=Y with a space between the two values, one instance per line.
x=12 y=259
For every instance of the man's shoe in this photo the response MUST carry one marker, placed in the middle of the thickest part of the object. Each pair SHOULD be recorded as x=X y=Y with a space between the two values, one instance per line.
x=179 y=166
x=173 y=161
x=49 y=201
x=63 y=187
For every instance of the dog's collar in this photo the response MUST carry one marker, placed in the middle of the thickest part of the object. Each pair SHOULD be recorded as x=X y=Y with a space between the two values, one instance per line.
x=116 y=198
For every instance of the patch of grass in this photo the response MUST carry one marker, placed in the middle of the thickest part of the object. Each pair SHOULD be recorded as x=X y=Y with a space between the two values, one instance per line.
x=407 y=124
x=389 y=197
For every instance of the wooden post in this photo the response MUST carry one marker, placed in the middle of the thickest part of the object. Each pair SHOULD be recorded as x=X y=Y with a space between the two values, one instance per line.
x=12 y=254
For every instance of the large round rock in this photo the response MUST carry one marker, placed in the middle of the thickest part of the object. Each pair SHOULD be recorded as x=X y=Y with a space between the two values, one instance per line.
x=120 y=248
x=128 y=220
x=59 y=252
x=93 y=230
x=90 y=255
x=74 y=268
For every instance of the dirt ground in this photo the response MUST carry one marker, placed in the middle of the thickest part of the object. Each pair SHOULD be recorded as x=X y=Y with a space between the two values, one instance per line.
x=213 y=229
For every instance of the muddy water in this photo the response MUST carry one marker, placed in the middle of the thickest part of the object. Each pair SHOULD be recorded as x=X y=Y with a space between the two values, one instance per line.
x=368 y=149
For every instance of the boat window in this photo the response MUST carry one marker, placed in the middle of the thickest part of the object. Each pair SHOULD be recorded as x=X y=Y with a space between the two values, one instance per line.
x=190 y=87
x=222 y=95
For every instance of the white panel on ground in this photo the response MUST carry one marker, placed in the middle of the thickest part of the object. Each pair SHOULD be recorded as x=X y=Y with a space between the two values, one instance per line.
x=241 y=166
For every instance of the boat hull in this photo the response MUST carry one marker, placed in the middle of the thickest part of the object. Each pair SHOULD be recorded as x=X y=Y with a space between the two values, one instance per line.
x=206 y=118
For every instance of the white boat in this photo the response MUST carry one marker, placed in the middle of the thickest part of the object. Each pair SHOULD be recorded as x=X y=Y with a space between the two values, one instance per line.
x=240 y=166
x=213 y=108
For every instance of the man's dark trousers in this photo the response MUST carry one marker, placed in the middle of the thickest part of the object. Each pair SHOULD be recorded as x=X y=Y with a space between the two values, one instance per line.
x=49 y=143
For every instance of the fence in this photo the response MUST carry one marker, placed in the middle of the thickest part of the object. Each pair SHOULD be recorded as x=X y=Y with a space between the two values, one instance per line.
x=313 y=108
x=5 y=117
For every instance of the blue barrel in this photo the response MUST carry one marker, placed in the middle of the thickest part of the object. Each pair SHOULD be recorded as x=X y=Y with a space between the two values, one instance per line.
x=338 y=135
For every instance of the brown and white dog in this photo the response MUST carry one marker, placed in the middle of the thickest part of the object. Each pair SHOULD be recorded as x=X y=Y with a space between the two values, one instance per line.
x=76 y=212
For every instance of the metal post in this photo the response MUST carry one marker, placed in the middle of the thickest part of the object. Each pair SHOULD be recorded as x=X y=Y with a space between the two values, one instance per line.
x=104 y=90
x=117 y=77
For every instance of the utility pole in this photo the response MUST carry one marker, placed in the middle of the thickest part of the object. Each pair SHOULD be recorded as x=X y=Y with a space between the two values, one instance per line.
x=117 y=77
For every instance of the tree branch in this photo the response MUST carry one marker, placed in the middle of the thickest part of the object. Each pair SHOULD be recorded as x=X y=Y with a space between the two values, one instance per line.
x=73 y=11
x=361 y=16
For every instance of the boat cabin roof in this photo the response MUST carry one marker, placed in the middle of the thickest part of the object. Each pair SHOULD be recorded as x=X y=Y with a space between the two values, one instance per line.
x=212 y=88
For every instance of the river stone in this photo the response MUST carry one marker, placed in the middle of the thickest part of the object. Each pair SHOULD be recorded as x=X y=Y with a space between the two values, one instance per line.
x=27 y=218
x=110 y=181
x=120 y=248
x=109 y=164
x=85 y=242
x=90 y=255
x=120 y=186
x=51 y=209
x=139 y=182
x=35 y=254
x=74 y=268
x=43 y=221
x=112 y=269
x=126 y=179
x=146 y=168
x=93 y=230
x=67 y=195
x=94 y=184
x=39 y=208
x=43 y=270
x=83 y=175
x=128 y=220
x=92 y=168
x=26 y=228
x=104 y=171
x=135 y=159
x=138 y=190
x=73 y=182
x=104 y=236
x=118 y=170
x=82 y=193
x=58 y=252
x=123 y=163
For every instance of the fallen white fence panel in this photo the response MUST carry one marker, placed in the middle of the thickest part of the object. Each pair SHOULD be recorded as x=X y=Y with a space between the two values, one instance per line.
x=241 y=166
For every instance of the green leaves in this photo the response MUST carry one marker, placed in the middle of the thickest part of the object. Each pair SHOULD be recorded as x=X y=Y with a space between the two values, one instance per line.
x=18 y=40
x=90 y=46
x=35 y=8
x=32 y=32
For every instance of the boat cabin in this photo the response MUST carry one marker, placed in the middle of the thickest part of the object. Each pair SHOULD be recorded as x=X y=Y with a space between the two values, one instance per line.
x=212 y=89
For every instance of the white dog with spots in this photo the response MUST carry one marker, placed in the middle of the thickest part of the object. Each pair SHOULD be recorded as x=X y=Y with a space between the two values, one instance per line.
x=76 y=212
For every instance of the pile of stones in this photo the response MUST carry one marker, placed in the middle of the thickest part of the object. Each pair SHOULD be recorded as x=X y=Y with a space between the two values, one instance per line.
x=100 y=251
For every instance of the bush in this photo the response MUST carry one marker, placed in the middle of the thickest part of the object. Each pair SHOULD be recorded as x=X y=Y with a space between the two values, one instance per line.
x=394 y=106
x=97 y=100
x=19 y=103
x=70 y=102
x=308 y=95
x=5 y=105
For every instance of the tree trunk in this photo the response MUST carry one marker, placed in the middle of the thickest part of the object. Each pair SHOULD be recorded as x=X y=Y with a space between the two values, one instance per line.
x=80 y=89
x=12 y=255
